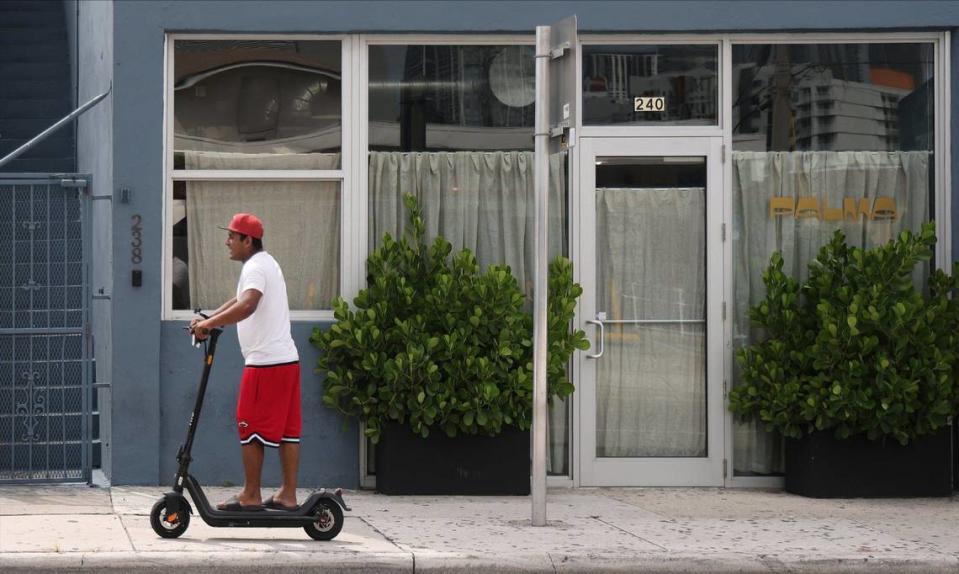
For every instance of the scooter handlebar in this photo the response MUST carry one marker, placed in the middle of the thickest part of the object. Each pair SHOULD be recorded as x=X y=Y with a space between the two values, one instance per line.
x=193 y=339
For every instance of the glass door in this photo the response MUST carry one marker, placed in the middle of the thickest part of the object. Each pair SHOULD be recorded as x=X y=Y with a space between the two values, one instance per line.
x=651 y=264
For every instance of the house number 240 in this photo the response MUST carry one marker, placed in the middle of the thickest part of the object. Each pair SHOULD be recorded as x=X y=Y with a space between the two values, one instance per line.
x=649 y=104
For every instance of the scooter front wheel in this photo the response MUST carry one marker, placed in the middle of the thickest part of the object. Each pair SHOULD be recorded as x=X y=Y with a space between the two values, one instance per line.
x=169 y=525
x=328 y=523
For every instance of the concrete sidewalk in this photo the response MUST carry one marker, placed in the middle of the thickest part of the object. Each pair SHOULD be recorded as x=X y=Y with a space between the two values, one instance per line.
x=78 y=528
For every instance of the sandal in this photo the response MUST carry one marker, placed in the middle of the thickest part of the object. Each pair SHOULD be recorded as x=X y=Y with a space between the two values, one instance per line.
x=274 y=505
x=233 y=505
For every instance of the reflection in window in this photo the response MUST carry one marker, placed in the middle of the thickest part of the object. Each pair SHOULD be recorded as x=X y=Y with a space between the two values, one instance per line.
x=831 y=97
x=251 y=99
x=453 y=125
x=825 y=137
x=683 y=76
x=431 y=98
x=256 y=105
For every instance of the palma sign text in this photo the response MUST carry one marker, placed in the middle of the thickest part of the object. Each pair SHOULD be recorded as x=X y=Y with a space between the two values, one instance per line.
x=878 y=209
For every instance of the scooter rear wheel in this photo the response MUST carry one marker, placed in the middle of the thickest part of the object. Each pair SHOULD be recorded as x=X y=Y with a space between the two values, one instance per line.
x=166 y=525
x=329 y=521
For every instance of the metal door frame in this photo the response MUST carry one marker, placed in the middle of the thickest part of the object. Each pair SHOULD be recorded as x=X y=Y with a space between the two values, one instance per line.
x=707 y=471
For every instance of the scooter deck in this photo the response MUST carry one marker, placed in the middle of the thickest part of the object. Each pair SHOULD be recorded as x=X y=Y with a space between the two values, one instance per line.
x=303 y=515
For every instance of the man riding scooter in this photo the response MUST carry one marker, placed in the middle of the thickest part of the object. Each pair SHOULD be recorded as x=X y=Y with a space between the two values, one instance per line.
x=268 y=407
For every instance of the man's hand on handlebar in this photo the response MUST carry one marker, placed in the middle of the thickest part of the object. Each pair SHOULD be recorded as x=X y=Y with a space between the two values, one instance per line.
x=200 y=327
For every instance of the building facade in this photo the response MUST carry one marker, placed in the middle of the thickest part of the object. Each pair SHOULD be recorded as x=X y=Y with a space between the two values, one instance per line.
x=709 y=135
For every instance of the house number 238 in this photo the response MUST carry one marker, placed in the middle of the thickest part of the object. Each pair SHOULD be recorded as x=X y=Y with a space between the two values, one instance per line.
x=136 y=240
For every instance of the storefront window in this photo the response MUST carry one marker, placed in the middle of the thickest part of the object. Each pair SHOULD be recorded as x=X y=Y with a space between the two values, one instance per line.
x=272 y=102
x=825 y=137
x=650 y=84
x=453 y=125
x=307 y=250
x=259 y=107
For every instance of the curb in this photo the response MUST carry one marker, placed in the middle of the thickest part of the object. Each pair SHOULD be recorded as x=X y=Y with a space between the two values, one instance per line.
x=297 y=562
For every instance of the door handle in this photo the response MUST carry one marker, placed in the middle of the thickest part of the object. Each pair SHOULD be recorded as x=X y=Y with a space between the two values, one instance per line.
x=602 y=339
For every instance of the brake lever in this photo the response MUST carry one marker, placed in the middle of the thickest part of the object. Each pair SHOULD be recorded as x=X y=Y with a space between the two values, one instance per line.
x=193 y=340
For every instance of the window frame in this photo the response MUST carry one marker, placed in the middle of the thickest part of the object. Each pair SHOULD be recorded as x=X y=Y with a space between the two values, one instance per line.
x=344 y=176
x=941 y=213
x=364 y=41
x=353 y=174
x=653 y=129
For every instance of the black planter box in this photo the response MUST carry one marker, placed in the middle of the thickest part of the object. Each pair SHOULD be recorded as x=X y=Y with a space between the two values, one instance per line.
x=409 y=464
x=955 y=453
x=821 y=466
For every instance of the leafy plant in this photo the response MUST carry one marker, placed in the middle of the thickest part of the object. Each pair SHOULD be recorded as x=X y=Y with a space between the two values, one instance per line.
x=436 y=344
x=856 y=348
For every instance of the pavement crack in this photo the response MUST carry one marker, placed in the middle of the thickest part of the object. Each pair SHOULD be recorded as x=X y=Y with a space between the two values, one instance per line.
x=551 y=563
x=633 y=534
x=381 y=533
x=133 y=547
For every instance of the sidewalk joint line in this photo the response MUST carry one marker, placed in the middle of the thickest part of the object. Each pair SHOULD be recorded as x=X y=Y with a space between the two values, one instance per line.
x=381 y=533
x=122 y=525
x=632 y=505
x=634 y=535
x=390 y=540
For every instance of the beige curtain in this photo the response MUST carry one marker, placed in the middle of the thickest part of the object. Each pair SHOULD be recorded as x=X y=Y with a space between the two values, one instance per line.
x=651 y=266
x=301 y=223
x=832 y=179
x=482 y=201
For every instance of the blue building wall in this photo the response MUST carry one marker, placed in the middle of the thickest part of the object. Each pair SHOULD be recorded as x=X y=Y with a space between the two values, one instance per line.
x=154 y=369
x=329 y=448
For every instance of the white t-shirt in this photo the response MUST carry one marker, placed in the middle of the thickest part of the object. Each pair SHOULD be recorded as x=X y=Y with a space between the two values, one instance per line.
x=265 y=335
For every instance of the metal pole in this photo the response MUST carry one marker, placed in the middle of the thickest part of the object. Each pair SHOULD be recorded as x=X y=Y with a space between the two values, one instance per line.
x=12 y=155
x=541 y=234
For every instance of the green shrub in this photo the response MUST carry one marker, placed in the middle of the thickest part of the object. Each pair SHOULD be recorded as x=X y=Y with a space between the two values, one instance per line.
x=856 y=348
x=436 y=344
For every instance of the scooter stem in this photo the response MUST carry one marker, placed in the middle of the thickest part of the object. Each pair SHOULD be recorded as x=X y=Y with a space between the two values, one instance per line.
x=183 y=455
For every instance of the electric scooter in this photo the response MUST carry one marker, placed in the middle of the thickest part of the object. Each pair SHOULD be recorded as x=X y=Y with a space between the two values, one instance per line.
x=321 y=516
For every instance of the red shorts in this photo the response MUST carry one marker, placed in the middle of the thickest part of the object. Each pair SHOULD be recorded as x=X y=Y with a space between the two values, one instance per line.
x=268 y=409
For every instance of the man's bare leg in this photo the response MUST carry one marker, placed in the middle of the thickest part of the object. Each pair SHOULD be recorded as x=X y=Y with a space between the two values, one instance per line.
x=290 y=462
x=252 y=467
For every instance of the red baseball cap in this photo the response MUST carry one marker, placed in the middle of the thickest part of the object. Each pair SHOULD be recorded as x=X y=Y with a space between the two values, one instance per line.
x=246 y=224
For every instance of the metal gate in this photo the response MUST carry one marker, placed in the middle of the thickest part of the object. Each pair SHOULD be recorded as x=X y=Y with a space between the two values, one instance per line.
x=45 y=343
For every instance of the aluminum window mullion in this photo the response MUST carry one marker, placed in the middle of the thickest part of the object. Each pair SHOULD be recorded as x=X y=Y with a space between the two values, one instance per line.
x=941 y=111
x=166 y=267
x=835 y=38
x=728 y=284
x=258 y=175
